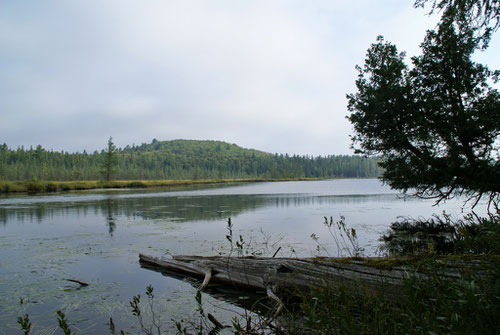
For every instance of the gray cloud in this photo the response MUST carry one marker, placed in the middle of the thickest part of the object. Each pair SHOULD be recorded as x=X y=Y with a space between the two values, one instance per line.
x=270 y=75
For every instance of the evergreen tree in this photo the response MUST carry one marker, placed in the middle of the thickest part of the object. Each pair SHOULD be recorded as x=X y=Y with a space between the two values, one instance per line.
x=437 y=126
x=110 y=161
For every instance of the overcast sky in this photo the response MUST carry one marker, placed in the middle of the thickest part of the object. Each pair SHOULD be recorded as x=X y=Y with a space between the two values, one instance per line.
x=270 y=75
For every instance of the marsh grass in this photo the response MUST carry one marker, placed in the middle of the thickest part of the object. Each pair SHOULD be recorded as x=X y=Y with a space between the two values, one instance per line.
x=466 y=305
x=59 y=186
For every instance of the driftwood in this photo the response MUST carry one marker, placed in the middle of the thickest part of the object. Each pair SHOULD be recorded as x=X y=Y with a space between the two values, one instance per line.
x=292 y=274
x=77 y=281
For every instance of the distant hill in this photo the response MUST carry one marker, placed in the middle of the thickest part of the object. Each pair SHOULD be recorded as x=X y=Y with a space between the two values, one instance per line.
x=186 y=147
x=179 y=159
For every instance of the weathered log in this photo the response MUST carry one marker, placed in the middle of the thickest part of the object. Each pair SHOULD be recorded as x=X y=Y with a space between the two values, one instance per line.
x=261 y=273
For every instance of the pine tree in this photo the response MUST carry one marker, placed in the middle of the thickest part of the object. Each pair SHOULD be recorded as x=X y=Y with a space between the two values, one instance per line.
x=110 y=161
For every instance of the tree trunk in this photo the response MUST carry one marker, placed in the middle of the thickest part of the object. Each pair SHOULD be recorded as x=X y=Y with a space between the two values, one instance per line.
x=298 y=274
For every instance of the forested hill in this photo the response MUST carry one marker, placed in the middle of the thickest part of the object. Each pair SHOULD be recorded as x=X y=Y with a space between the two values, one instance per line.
x=178 y=159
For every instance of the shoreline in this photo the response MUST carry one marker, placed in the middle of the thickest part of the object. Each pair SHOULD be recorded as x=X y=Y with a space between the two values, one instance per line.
x=40 y=187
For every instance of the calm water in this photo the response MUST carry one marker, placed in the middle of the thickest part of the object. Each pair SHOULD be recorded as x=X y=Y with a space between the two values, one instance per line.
x=96 y=237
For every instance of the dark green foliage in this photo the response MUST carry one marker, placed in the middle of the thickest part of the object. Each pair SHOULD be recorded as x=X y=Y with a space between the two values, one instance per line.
x=340 y=310
x=110 y=161
x=179 y=159
x=482 y=15
x=468 y=305
x=480 y=237
x=410 y=236
x=437 y=125
x=441 y=235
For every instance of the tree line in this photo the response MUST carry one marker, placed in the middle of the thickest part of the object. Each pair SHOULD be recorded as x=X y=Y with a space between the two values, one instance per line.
x=178 y=159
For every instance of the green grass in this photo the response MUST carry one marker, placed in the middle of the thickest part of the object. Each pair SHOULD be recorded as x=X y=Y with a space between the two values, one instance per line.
x=466 y=305
x=469 y=304
x=59 y=186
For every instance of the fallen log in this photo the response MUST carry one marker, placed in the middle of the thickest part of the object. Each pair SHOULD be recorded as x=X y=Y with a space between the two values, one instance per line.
x=297 y=274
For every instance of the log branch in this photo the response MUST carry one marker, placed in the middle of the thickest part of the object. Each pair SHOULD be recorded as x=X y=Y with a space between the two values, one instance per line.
x=206 y=280
x=77 y=281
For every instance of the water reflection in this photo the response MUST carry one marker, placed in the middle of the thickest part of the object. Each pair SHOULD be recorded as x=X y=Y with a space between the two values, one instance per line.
x=96 y=237
x=179 y=209
x=248 y=299
x=110 y=220
x=305 y=201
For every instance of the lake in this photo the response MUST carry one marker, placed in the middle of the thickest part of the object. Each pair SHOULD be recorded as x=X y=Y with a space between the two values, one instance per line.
x=96 y=236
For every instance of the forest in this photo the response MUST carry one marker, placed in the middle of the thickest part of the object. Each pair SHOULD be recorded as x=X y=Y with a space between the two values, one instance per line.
x=178 y=159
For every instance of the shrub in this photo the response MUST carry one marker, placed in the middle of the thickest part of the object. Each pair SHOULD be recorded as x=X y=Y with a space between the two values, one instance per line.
x=34 y=187
x=442 y=235
x=136 y=184
x=51 y=187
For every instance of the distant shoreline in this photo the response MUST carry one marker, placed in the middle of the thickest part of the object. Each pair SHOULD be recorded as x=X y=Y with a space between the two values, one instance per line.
x=36 y=187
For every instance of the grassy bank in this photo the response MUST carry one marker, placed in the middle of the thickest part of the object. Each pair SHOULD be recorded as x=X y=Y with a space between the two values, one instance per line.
x=60 y=186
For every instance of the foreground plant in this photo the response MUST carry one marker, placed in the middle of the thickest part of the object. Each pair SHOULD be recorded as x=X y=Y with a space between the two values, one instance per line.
x=468 y=305
x=25 y=323
x=63 y=323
